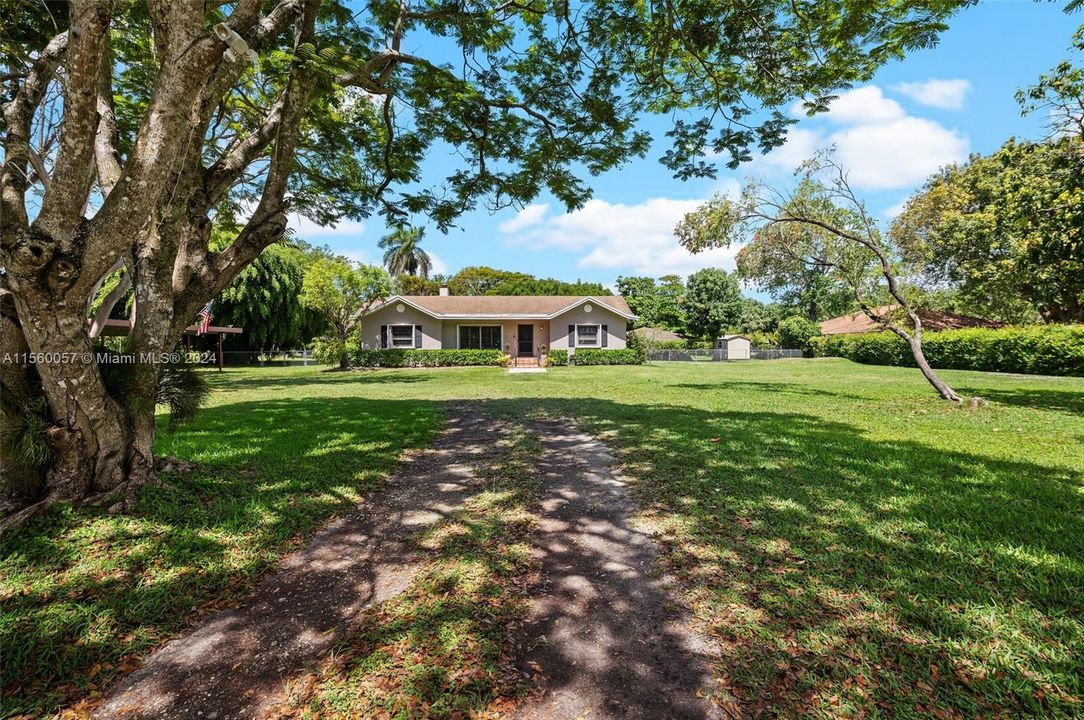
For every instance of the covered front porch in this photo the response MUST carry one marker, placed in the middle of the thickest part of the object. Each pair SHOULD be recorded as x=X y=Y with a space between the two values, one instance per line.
x=525 y=340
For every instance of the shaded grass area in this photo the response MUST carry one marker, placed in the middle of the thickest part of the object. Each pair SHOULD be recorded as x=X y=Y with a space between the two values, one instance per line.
x=856 y=546
x=442 y=648
x=84 y=594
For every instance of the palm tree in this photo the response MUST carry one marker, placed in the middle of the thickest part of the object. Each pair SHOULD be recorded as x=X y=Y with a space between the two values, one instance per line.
x=404 y=256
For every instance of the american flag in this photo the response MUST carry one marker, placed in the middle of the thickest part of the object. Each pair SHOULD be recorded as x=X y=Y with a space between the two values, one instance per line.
x=204 y=319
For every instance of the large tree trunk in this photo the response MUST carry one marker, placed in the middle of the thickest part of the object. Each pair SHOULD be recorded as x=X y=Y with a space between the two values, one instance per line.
x=101 y=441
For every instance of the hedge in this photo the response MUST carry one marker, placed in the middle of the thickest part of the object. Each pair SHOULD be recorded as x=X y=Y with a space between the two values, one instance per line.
x=584 y=356
x=1036 y=349
x=411 y=357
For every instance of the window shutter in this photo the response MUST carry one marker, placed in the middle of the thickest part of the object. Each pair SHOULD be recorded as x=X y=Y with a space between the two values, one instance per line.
x=417 y=336
x=383 y=336
x=604 y=334
x=571 y=336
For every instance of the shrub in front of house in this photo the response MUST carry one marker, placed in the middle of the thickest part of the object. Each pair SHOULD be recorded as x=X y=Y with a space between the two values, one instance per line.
x=614 y=356
x=410 y=357
x=557 y=357
x=1033 y=349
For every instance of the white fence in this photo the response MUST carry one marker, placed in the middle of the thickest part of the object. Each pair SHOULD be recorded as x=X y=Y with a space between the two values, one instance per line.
x=719 y=354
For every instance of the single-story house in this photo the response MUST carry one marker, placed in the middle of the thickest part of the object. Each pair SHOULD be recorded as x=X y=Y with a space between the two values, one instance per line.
x=521 y=325
x=657 y=334
x=932 y=320
x=738 y=347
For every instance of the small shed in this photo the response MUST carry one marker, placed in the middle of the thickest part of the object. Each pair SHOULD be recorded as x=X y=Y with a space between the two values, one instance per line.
x=737 y=347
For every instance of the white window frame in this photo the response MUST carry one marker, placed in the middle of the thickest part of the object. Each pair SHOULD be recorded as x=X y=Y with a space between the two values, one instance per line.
x=598 y=335
x=479 y=325
x=391 y=336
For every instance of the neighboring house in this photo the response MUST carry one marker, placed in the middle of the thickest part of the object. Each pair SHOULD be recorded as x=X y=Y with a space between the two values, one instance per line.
x=738 y=347
x=655 y=334
x=931 y=320
x=521 y=325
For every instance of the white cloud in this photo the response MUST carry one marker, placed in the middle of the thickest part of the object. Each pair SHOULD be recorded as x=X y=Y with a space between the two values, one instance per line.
x=881 y=147
x=897 y=154
x=308 y=230
x=864 y=105
x=437 y=264
x=943 y=94
x=525 y=218
x=632 y=239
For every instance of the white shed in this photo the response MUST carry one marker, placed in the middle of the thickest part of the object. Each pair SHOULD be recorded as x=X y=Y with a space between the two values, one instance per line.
x=737 y=347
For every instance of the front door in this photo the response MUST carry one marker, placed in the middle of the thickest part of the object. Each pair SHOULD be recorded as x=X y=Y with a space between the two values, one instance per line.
x=525 y=334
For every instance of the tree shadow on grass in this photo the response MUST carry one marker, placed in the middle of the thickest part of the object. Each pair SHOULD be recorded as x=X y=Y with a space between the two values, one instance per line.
x=728 y=385
x=817 y=555
x=249 y=380
x=1068 y=401
x=813 y=554
x=85 y=590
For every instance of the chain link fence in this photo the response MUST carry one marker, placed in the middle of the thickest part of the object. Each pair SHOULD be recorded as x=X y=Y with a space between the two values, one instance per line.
x=719 y=355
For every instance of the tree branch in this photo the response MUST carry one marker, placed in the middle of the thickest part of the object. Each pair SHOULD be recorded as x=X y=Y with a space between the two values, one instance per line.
x=18 y=115
x=106 y=157
x=73 y=169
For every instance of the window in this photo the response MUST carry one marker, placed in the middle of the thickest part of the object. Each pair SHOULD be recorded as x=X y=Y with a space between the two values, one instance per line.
x=402 y=336
x=480 y=337
x=587 y=336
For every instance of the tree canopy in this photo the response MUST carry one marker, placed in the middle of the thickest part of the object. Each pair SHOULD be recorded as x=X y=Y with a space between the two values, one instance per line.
x=1007 y=230
x=265 y=300
x=821 y=223
x=341 y=293
x=141 y=126
x=656 y=303
x=713 y=302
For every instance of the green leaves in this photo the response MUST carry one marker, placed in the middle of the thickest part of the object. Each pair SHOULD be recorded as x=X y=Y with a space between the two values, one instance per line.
x=1006 y=230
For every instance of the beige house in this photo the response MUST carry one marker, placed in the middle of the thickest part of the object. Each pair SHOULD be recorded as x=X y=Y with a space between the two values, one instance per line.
x=523 y=326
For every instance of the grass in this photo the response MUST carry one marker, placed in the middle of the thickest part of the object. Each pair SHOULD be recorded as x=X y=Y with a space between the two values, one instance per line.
x=856 y=546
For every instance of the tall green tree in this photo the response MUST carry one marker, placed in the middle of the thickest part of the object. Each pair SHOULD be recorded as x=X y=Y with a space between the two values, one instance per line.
x=342 y=293
x=265 y=300
x=404 y=254
x=713 y=302
x=821 y=223
x=811 y=290
x=178 y=116
x=482 y=280
x=656 y=304
x=1007 y=230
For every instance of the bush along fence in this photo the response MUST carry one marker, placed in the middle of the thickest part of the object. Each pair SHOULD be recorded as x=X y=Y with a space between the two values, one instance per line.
x=1037 y=350
x=615 y=356
x=409 y=357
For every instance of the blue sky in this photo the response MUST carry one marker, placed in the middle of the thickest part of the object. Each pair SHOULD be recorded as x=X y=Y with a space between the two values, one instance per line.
x=934 y=107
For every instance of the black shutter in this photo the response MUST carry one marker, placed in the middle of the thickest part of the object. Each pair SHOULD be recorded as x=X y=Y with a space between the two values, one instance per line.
x=383 y=336
x=603 y=336
x=571 y=336
x=417 y=336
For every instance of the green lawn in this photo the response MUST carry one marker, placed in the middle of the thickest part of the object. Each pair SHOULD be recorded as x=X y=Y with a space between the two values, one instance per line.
x=854 y=544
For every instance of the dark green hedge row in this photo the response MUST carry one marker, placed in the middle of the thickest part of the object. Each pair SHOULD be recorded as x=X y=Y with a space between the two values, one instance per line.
x=1036 y=350
x=426 y=358
x=613 y=356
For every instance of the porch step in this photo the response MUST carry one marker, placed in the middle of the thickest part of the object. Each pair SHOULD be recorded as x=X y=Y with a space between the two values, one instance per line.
x=526 y=362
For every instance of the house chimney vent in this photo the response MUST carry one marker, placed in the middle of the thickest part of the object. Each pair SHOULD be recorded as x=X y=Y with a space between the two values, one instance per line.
x=444 y=291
